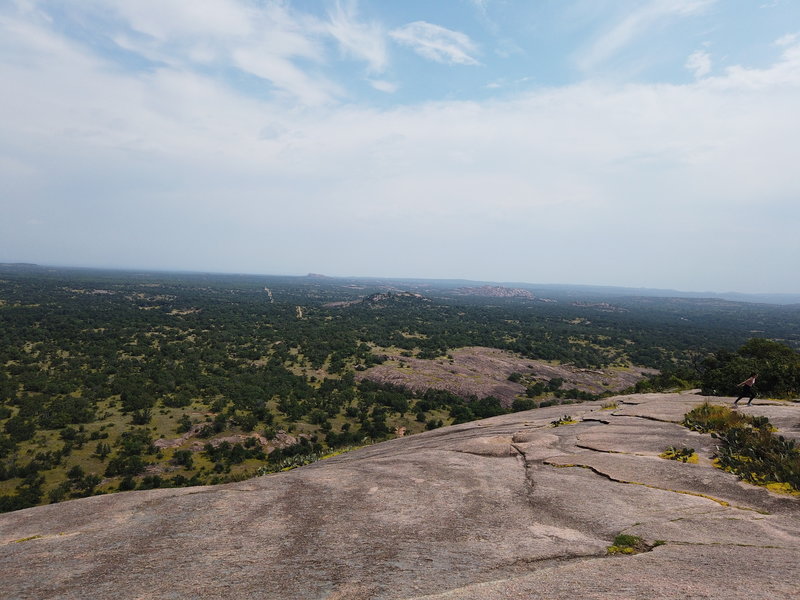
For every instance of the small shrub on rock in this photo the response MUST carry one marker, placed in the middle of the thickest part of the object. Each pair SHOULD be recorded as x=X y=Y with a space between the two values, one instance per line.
x=713 y=417
x=748 y=448
x=685 y=455
x=630 y=544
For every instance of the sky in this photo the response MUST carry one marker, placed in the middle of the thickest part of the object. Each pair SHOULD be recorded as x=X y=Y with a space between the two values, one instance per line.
x=641 y=143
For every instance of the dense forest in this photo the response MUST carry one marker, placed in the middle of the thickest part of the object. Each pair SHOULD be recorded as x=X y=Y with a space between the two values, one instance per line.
x=112 y=381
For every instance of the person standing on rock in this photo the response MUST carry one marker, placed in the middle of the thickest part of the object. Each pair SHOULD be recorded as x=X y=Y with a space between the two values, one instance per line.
x=747 y=389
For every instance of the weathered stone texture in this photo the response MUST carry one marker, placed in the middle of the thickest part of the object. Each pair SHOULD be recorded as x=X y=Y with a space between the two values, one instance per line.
x=508 y=507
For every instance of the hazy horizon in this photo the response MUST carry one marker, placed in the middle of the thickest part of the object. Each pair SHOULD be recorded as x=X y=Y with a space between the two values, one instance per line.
x=398 y=278
x=625 y=143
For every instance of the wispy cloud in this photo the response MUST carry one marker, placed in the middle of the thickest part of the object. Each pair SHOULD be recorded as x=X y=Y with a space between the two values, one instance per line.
x=265 y=41
x=505 y=83
x=285 y=75
x=437 y=43
x=635 y=25
x=480 y=5
x=699 y=63
x=384 y=86
x=363 y=41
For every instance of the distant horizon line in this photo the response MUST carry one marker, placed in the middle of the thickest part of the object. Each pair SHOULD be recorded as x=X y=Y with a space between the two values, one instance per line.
x=312 y=274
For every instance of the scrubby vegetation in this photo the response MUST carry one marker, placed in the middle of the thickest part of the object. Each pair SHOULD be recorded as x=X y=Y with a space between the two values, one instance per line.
x=708 y=418
x=684 y=455
x=114 y=381
x=631 y=544
x=748 y=447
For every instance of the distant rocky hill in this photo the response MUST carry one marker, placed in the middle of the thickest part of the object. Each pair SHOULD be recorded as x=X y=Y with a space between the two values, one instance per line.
x=380 y=299
x=494 y=291
x=511 y=507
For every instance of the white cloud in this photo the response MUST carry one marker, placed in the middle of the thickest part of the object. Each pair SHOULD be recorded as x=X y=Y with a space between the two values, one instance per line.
x=555 y=184
x=785 y=73
x=699 y=63
x=787 y=40
x=437 y=43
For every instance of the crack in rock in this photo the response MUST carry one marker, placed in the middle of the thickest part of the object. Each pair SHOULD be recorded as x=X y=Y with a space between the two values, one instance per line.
x=687 y=515
x=697 y=514
x=526 y=469
x=608 y=451
x=729 y=544
x=596 y=420
x=557 y=560
x=649 y=418
x=597 y=471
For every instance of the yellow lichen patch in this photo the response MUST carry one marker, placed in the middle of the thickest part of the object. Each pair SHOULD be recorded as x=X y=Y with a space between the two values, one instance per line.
x=565 y=420
x=686 y=455
x=26 y=539
x=782 y=488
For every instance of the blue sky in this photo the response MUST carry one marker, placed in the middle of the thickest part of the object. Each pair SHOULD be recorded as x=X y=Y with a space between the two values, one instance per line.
x=648 y=143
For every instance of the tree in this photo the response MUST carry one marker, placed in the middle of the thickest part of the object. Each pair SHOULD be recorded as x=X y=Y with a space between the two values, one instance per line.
x=102 y=450
x=487 y=407
x=522 y=404
x=20 y=429
x=777 y=366
x=141 y=416
x=184 y=424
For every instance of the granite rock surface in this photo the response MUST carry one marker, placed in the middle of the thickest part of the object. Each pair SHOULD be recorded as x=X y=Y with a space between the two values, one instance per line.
x=508 y=507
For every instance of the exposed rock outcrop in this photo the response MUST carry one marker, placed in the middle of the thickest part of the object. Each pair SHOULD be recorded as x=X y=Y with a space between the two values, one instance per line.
x=494 y=291
x=477 y=371
x=280 y=440
x=509 y=507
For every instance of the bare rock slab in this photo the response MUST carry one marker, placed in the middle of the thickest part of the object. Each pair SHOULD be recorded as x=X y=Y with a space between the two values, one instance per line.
x=508 y=507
